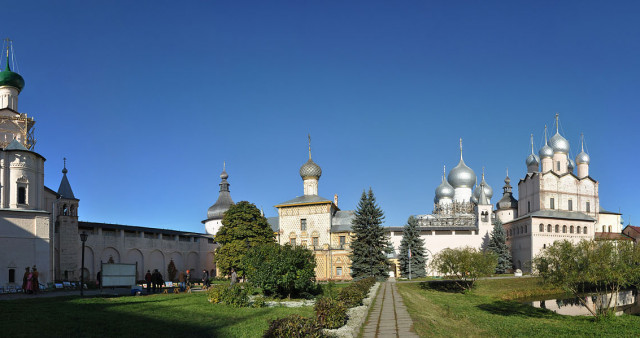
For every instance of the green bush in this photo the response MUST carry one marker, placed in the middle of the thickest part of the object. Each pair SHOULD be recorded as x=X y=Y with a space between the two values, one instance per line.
x=330 y=313
x=356 y=292
x=294 y=326
x=259 y=301
x=234 y=295
x=281 y=270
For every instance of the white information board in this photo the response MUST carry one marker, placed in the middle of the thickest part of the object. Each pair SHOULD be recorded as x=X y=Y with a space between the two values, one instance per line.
x=118 y=274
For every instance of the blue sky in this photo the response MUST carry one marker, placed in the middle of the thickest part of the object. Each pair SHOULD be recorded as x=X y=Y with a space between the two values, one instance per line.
x=147 y=99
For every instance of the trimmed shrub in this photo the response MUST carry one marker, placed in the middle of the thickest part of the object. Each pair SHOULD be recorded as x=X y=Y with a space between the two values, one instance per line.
x=330 y=313
x=354 y=293
x=259 y=301
x=294 y=326
x=233 y=295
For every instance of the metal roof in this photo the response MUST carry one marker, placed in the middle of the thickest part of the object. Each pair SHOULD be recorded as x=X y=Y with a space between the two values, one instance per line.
x=65 y=188
x=305 y=199
x=83 y=224
x=559 y=214
x=274 y=222
x=342 y=220
x=15 y=145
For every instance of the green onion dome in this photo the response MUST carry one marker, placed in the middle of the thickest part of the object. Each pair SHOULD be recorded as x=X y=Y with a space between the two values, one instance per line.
x=11 y=79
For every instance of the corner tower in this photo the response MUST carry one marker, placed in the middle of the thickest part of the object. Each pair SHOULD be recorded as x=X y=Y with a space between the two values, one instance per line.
x=67 y=230
x=216 y=212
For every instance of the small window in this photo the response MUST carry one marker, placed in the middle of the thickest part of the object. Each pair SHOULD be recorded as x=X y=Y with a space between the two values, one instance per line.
x=557 y=228
x=609 y=228
x=564 y=229
x=588 y=206
x=571 y=229
x=541 y=227
x=12 y=275
x=528 y=206
x=342 y=241
x=552 y=203
x=314 y=240
x=525 y=228
x=65 y=210
x=579 y=230
x=544 y=246
x=303 y=224
x=22 y=195
x=485 y=216
x=292 y=241
x=339 y=271
x=549 y=229
x=304 y=243
x=585 y=230
x=558 y=165
x=570 y=205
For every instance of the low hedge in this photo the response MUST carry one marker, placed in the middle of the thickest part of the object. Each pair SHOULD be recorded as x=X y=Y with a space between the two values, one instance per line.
x=234 y=295
x=294 y=326
x=330 y=313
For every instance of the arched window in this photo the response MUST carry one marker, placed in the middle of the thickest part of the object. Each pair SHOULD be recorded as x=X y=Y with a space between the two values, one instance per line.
x=525 y=228
x=544 y=246
x=564 y=229
x=65 y=210
x=579 y=230
x=585 y=230
x=571 y=229
x=541 y=227
x=557 y=228
x=485 y=216
x=12 y=275
x=549 y=229
x=609 y=228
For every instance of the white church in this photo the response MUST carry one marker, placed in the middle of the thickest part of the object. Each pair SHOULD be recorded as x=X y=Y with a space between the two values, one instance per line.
x=557 y=200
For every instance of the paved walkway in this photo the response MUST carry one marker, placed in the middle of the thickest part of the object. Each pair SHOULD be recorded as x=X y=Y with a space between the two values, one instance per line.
x=389 y=316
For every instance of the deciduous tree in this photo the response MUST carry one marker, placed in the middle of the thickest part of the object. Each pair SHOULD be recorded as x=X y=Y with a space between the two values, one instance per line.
x=243 y=227
x=465 y=265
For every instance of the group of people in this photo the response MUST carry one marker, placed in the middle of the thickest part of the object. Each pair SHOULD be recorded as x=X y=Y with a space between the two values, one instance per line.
x=30 y=283
x=154 y=280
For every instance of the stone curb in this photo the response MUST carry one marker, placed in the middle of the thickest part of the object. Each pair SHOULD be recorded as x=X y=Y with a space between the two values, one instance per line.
x=357 y=316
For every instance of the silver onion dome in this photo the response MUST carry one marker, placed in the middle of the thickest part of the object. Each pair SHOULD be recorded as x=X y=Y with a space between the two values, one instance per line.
x=545 y=151
x=570 y=164
x=310 y=170
x=224 y=202
x=487 y=190
x=533 y=159
x=559 y=144
x=444 y=190
x=583 y=158
x=461 y=176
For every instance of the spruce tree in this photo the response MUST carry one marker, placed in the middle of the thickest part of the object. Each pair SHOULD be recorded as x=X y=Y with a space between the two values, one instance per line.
x=369 y=241
x=411 y=240
x=498 y=244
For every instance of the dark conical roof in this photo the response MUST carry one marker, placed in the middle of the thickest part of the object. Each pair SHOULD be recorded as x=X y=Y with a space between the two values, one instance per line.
x=65 y=188
x=224 y=202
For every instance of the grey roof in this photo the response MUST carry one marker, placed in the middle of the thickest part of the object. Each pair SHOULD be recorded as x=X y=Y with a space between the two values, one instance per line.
x=224 y=202
x=274 y=222
x=559 y=214
x=15 y=145
x=304 y=200
x=436 y=228
x=341 y=221
x=310 y=169
x=604 y=211
x=65 y=188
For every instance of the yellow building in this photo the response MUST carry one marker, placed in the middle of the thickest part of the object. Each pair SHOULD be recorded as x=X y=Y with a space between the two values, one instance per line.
x=317 y=223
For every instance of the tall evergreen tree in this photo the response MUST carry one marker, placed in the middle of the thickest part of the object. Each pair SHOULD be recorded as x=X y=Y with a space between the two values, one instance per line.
x=369 y=241
x=243 y=227
x=411 y=240
x=498 y=244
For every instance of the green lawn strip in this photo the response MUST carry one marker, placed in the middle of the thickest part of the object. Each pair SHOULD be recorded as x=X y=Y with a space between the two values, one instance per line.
x=156 y=315
x=485 y=313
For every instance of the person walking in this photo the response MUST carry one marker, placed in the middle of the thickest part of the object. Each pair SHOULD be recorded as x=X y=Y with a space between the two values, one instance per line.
x=154 y=280
x=181 y=280
x=147 y=278
x=29 y=287
x=24 y=280
x=234 y=276
x=35 y=282
x=205 y=278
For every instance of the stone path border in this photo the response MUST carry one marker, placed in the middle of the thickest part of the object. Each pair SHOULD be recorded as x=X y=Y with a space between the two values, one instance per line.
x=389 y=316
x=357 y=316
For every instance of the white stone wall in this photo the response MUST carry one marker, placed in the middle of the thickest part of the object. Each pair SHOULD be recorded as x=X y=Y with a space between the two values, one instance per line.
x=24 y=242
x=462 y=194
x=22 y=168
x=212 y=226
x=609 y=221
x=9 y=98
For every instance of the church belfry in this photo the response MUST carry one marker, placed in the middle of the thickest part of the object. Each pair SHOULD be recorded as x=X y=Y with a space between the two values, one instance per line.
x=13 y=125
x=67 y=229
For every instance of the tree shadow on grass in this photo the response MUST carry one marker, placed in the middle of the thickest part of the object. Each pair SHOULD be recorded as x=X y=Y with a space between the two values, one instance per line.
x=511 y=308
x=447 y=285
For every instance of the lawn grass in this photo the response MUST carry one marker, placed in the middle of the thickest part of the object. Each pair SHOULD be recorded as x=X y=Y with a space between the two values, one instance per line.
x=490 y=311
x=160 y=315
